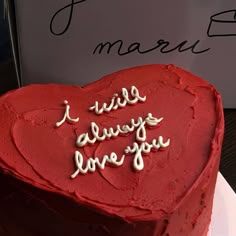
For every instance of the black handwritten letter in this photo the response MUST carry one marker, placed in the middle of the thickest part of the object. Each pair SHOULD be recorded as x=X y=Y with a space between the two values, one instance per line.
x=70 y=9
x=102 y=46
x=180 y=47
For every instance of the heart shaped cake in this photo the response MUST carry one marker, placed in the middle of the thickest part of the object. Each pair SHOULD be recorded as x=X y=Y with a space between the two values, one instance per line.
x=134 y=153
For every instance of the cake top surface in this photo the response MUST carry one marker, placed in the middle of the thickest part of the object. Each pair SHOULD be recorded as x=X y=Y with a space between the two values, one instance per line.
x=132 y=144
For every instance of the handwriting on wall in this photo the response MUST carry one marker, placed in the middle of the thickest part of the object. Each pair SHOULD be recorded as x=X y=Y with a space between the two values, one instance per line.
x=163 y=46
x=216 y=27
x=69 y=8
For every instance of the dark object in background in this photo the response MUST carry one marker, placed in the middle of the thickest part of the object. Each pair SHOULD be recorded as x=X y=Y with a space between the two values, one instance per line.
x=5 y=43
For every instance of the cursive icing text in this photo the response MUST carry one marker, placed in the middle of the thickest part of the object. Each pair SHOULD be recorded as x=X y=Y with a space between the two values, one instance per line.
x=93 y=163
x=66 y=116
x=117 y=102
x=138 y=164
x=140 y=124
x=145 y=147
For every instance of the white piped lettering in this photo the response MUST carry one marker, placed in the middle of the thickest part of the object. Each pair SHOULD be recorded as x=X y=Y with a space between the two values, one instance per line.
x=145 y=147
x=117 y=102
x=138 y=148
x=140 y=124
x=67 y=115
x=92 y=163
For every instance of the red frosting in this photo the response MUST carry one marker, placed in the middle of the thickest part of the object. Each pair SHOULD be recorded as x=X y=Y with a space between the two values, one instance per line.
x=173 y=193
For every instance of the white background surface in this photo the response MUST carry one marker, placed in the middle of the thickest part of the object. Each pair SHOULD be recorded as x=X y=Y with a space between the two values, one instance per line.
x=68 y=58
x=224 y=210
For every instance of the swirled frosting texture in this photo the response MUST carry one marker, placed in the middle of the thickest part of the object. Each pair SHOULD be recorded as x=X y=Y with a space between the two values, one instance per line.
x=36 y=152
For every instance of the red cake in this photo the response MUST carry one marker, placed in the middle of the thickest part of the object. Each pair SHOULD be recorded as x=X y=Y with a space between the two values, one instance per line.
x=134 y=153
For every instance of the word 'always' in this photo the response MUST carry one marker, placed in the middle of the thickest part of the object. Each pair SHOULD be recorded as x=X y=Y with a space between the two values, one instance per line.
x=140 y=124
